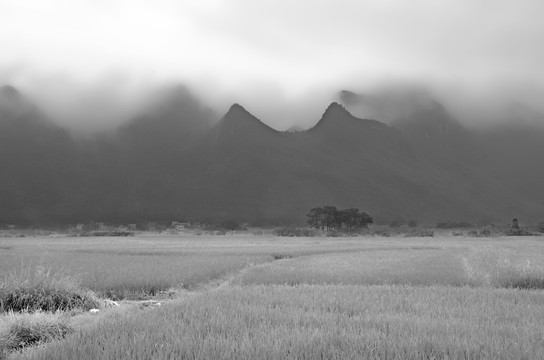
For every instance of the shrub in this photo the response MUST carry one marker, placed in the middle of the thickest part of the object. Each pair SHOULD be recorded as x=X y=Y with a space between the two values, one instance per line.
x=453 y=225
x=41 y=289
x=483 y=233
x=412 y=223
x=541 y=226
x=395 y=224
x=518 y=232
x=33 y=329
x=107 y=233
x=420 y=233
x=382 y=232
x=335 y=233
x=295 y=232
x=231 y=225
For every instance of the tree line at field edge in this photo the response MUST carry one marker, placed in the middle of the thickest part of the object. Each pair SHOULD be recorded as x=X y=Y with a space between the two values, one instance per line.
x=329 y=218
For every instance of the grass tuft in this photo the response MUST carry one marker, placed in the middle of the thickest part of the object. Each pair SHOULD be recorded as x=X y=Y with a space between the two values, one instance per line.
x=27 y=330
x=40 y=289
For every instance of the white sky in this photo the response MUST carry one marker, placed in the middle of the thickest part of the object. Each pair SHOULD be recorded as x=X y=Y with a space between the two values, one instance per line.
x=273 y=53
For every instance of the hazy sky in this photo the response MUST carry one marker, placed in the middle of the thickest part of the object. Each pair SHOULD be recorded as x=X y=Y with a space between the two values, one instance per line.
x=279 y=58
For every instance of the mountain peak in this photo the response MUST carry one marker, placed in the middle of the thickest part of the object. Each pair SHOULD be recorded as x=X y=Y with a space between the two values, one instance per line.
x=334 y=106
x=238 y=121
x=238 y=113
x=337 y=119
x=237 y=110
x=336 y=111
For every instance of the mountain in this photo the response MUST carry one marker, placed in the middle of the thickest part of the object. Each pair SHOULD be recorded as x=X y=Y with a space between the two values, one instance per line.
x=173 y=163
x=142 y=164
x=417 y=114
x=477 y=173
x=12 y=103
x=40 y=165
x=248 y=171
x=232 y=168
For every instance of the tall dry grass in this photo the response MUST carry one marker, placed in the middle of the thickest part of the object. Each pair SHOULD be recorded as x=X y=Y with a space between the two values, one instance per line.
x=20 y=331
x=41 y=289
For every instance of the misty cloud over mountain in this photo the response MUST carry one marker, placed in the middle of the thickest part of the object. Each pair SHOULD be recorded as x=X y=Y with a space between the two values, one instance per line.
x=178 y=159
x=92 y=66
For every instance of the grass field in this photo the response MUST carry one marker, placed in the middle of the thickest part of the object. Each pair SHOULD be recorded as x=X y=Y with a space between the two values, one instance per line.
x=301 y=298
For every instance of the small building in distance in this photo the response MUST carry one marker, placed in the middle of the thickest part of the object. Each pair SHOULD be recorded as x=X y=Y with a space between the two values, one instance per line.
x=179 y=226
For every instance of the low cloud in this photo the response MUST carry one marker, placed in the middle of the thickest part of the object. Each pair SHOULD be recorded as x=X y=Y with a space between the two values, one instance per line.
x=91 y=64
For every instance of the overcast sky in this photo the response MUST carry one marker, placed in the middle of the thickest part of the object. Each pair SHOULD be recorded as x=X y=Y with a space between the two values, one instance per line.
x=270 y=54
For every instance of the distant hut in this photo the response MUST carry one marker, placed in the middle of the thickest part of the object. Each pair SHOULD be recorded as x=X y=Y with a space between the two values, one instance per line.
x=515 y=224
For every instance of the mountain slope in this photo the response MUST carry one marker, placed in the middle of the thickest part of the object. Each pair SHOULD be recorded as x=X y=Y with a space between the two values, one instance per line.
x=40 y=165
x=172 y=164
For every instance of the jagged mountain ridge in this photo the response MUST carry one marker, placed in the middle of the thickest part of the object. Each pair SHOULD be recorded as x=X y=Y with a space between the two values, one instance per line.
x=173 y=164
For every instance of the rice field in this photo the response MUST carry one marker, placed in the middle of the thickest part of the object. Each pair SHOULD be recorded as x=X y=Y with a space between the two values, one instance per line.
x=323 y=322
x=266 y=297
x=143 y=266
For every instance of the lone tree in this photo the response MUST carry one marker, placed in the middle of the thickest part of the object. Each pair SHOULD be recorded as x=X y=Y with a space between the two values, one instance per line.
x=328 y=217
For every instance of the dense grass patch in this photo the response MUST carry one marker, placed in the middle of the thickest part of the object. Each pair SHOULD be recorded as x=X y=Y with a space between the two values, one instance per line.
x=24 y=330
x=323 y=322
x=40 y=289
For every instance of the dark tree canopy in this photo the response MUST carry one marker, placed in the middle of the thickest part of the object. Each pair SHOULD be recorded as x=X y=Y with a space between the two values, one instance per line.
x=328 y=217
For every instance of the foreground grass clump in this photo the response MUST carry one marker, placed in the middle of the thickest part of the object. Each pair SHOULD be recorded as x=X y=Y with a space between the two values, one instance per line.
x=24 y=330
x=323 y=322
x=40 y=289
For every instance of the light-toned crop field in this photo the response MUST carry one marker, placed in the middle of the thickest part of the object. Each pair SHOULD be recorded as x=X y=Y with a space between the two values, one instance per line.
x=141 y=266
x=302 y=298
